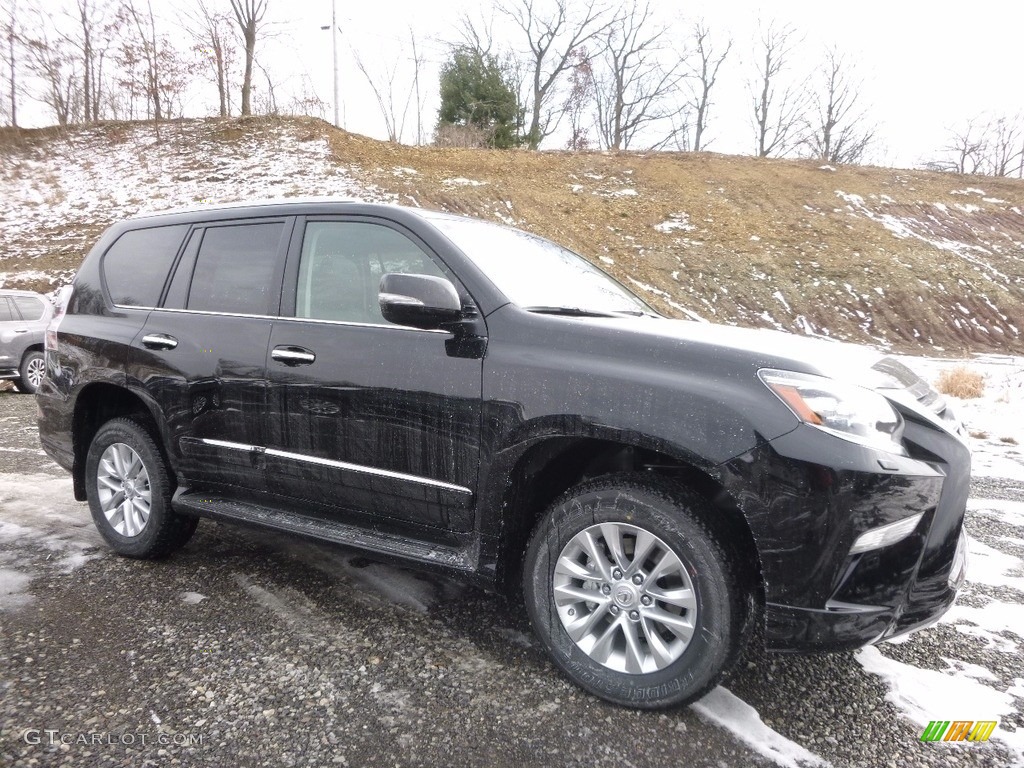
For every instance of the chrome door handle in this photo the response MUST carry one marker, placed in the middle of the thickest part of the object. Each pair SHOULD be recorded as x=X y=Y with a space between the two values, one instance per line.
x=159 y=341
x=22 y=330
x=293 y=355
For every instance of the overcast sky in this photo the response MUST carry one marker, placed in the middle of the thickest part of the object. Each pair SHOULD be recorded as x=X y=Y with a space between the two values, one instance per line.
x=927 y=66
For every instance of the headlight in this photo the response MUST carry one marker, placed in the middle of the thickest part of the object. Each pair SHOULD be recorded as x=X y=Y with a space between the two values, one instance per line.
x=845 y=410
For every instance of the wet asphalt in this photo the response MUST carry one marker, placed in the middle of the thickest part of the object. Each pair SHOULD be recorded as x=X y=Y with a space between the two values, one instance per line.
x=255 y=649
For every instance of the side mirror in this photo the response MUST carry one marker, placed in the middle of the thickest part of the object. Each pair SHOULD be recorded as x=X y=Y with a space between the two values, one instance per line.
x=420 y=301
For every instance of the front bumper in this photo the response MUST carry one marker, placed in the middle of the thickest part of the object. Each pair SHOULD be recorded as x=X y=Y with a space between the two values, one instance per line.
x=807 y=497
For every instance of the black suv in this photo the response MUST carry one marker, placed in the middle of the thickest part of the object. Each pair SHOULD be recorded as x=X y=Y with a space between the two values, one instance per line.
x=472 y=398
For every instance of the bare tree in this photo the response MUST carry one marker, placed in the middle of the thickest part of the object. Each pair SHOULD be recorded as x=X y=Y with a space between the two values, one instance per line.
x=10 y=48
x=142 y=38
x=249 y=15
x=418 y=60
x=582 y=91
x=777 y=102
x=477 y=34
x=95 y=31
x=838 y=130
x=638 y=89
x=53 y=62
x=391 y=104
x=267 y=101
x=551 y=38
x=704 y=65
x=1003 y=146
x=215 y=48
x=963 y=151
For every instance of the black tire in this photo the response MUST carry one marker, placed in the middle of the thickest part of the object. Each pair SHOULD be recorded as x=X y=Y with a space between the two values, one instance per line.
x=163 y=531
x=720 y=604
x=31 y=364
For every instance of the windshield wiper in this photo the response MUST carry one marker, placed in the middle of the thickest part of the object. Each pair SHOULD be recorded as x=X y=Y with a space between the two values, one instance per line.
x=579 y=312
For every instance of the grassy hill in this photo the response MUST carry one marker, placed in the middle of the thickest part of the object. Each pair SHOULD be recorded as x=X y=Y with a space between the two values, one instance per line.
x=908 y=259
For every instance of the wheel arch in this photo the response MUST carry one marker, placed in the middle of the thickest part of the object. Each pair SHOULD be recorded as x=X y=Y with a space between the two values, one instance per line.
x=547 y=467
x=95 y=405
x=35 y=347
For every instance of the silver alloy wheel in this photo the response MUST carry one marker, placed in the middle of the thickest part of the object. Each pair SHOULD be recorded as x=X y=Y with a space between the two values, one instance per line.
x=625 y=598
x=35 y=371
x=125 y=495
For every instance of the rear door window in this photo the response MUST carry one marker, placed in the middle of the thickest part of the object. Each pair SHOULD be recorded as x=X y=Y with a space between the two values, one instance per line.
x=135 y=267
x=30 y=308
x=236 y=270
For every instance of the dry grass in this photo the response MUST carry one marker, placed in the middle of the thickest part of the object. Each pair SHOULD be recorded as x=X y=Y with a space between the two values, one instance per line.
x=961 y=382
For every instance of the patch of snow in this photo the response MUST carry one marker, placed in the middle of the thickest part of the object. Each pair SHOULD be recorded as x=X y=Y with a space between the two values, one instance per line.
x=728 y=711
x=969 y=208
x=924 y=695
x=755 y=239
x=38 y=526
x=1008 y=512
x=607 y=259
x=74 y=182
x=14 y=589
x=996 y=617
x=996 y=419
x=459 y=181
x=995 y=568
x=192 y=598
x=680 y=221
x=826 y=168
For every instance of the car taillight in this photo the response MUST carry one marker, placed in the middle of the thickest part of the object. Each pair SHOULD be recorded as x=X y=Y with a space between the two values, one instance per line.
x=62 y=298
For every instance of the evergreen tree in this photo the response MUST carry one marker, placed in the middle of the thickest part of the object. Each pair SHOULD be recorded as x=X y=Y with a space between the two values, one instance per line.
x=477 y=94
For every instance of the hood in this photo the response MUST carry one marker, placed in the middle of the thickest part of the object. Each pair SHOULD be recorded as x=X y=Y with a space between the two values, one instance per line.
x=765 y=348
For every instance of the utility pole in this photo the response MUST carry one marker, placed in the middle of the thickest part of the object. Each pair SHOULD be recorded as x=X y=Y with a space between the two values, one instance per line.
x=334 y=45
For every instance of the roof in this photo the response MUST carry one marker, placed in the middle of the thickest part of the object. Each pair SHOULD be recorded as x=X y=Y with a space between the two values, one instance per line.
x=280 y=201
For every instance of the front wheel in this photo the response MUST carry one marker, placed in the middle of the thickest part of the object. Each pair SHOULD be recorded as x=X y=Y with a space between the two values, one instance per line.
x=631 y=593
x=129 y=490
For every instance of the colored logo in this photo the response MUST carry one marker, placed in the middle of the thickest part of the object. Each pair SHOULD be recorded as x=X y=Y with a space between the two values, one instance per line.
x=959 y=730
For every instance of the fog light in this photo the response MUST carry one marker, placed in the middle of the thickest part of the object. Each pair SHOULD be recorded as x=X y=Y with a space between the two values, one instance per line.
x=885 y=535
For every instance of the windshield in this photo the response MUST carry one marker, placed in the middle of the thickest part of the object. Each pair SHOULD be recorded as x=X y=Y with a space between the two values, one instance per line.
x=535 y=273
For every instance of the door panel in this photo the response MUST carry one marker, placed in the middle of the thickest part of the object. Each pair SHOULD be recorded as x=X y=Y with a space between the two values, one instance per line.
x=211 y=386
x=382 y=426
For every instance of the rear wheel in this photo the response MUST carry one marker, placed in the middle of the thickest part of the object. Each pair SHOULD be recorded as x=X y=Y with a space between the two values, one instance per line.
x=33 y=369
x=129 y=490
x=631 y=593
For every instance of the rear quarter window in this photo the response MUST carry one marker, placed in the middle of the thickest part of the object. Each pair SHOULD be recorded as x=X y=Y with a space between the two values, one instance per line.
x=6 y=310
x=30 y=308
x=135 y=267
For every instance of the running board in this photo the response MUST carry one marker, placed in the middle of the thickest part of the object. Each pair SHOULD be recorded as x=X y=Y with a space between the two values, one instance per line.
x=323 y=530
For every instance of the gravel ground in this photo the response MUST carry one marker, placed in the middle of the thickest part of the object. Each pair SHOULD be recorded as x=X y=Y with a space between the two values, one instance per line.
x=254 y=649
